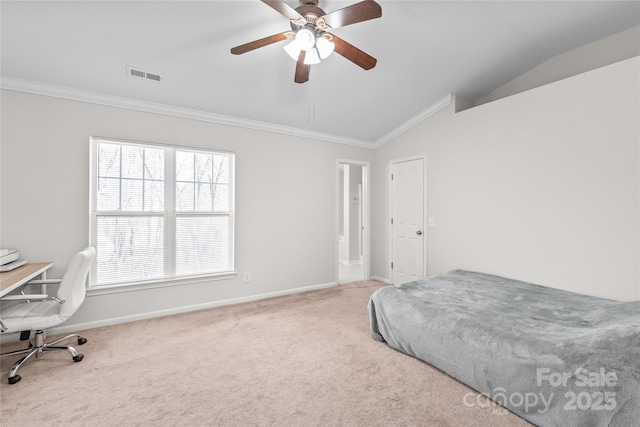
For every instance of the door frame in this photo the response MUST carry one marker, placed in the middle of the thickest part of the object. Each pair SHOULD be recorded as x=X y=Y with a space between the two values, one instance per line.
x=366 y=217
x=422 y=157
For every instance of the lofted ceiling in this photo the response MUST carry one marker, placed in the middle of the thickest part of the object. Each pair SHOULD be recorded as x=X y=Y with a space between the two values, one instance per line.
x=425 y=51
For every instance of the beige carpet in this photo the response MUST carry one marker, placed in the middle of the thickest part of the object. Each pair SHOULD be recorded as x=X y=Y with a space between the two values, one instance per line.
x=301 y=360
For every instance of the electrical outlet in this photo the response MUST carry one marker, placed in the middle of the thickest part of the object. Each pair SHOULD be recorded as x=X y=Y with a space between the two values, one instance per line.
x=247 y=276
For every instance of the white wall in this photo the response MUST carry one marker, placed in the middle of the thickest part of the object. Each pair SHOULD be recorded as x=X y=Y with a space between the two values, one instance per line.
x=542 y=186
x=285 y=193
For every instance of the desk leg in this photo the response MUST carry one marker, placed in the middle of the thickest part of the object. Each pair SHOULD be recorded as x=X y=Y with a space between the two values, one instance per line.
x=43 y=287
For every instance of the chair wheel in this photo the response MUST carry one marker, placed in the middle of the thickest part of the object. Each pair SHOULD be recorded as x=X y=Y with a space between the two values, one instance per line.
x=81 y=340
x=14 y=379
x=78 y=358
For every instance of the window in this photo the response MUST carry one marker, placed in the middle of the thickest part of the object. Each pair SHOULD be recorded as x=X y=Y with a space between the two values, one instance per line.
x=159 y=212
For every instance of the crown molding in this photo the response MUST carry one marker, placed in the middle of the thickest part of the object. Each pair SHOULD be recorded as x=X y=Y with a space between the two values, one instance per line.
x=62 y=92
x=168 y=110
x=429 y=111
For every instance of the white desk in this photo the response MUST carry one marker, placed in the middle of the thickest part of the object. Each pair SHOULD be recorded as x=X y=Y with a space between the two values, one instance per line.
x=10 y=280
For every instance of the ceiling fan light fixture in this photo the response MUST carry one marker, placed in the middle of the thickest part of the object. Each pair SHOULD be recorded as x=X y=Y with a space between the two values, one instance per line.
x=324 y=47
x=292 y=49
x=305 y=38
x=312 y=57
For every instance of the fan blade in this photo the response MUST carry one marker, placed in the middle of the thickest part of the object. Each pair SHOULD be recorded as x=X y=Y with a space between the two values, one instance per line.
x=247 y=47
x=363 y=11
x=284 y=9
x=302 y=69
x=354 y=54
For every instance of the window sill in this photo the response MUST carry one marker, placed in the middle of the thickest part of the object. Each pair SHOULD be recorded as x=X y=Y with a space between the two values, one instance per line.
x=161 y=283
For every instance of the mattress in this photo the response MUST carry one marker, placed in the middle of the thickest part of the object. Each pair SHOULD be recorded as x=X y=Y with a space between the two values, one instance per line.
x=553 y=357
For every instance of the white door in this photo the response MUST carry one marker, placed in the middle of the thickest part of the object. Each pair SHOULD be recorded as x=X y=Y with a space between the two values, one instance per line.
x=407 y=221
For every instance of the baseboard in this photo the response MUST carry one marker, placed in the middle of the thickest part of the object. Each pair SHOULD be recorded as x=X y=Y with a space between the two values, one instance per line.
x=62 y=329
x=381 y=279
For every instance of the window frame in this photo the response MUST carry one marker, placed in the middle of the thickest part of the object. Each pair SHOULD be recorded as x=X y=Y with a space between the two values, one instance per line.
x=169 y=213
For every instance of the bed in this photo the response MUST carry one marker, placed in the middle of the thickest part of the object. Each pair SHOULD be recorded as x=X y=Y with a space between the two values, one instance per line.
x=553 y=357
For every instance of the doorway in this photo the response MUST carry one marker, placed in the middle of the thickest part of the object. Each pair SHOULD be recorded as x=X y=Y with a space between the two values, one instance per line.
x=352 y=219
x=408 y=237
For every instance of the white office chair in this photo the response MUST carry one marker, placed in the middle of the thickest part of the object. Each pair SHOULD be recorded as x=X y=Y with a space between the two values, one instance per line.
x=38 y=312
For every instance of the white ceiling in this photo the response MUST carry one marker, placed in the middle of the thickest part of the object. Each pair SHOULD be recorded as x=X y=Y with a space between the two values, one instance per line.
x=425 y=51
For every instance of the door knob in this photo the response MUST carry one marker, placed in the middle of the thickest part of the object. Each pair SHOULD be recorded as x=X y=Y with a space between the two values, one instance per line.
x=419 y=232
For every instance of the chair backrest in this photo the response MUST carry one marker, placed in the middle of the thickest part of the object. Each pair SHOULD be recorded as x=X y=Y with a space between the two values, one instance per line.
x=73 y=286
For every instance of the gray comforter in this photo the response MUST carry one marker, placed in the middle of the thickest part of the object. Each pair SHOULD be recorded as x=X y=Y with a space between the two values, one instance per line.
x=555 y=358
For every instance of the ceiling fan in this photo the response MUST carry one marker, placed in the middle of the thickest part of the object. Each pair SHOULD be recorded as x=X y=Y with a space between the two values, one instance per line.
x=310 y=40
